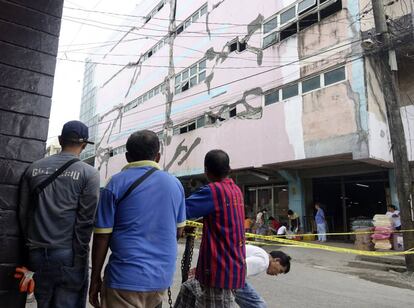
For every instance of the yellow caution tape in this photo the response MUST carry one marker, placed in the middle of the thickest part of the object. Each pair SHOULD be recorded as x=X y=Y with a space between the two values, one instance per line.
x=199 y=225
x=293 y=243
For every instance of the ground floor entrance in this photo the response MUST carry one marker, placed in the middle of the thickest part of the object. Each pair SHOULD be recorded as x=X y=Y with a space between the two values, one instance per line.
x=347 y=198
x=273 y=198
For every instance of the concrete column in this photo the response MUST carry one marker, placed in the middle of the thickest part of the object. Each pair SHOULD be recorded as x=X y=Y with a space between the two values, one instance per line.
x=29 y=35
x=296 y=193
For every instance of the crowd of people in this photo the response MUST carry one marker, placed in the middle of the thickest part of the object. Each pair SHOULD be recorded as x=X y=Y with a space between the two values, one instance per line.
x=138 y=215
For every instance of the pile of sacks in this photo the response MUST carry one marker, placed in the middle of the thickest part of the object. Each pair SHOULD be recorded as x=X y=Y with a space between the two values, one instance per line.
x=383 y=230
x=363 y=228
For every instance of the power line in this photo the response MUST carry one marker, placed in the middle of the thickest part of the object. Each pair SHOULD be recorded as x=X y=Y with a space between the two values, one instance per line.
x=244 y=78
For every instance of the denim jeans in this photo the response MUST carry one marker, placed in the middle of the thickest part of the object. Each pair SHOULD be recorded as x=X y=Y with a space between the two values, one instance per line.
x=321 y=232
x=249 y=298
x=58 y=283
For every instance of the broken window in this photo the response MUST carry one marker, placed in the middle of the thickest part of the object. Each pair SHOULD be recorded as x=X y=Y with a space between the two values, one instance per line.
x=308 y=21
x=335 y=76
x=241 y=46
x=287 y=15
x=180 y=29
x=233 y=46
x=289 y=31
x=311 y=84
x=271 y=98
x=183 y=129
x=185 y=86
x=290 y=91
x=305 y=6
x=331 y=8
x=191 y=126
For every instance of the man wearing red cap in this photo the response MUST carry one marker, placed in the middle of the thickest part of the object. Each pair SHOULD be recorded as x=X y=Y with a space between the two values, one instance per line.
x=58 y=199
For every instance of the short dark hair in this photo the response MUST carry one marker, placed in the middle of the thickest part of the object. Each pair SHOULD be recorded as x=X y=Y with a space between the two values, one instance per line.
x=69 y=140
x=143 y=145
x=284 y=259
x=392 y=206
x=217 y=162
x=290 y=212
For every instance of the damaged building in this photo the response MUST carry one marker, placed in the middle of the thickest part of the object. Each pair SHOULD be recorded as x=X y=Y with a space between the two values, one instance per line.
x=287 y=88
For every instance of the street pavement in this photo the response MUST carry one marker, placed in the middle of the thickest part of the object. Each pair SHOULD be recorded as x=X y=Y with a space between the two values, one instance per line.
x=314 y=282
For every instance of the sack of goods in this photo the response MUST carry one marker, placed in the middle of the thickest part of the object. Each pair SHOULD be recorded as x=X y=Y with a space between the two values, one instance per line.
x=363 y=241
x=383 y=230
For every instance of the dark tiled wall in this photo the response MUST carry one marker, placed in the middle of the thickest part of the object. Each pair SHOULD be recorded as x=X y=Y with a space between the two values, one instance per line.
x=29 y=34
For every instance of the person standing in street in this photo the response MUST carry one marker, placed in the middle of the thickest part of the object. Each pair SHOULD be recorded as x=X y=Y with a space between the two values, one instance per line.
x=320 y=223
x=58 y=199
x=141 y=213
x=221 y=265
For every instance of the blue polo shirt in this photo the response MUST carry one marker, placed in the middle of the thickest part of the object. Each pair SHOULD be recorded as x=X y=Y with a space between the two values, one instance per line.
x=143 y=226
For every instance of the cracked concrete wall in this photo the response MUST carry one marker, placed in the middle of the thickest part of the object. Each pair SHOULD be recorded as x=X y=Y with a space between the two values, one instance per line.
x=301 y=127
x=29 y=35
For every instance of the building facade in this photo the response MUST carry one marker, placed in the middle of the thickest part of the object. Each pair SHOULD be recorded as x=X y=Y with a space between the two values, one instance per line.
x=284 y=87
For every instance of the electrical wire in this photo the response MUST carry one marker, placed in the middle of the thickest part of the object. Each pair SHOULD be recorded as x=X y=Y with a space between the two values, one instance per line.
x=238 y=80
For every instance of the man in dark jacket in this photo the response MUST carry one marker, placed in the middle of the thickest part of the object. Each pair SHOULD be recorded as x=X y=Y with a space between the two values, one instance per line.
x=57 y=221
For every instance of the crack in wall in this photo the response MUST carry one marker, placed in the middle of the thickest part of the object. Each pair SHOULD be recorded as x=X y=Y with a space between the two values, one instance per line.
x=180 y=149
x=103 y=154
x=251 y=113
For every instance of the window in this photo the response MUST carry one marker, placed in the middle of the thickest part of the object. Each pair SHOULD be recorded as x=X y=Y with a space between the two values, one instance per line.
x=305 y=5
x=270 y=25
x=289 y=31
x=233 y=112
x=190 y=77
x=271 y=98
x=241 y=46
x=270 y=39
x=183 y=129
x=191 y=126
x=203 y=10
x=302 y=15
x=233 y=46
x=194 y=18
x=139 y=100
x=335 y=76
x=311 y=84
x=287 y=15
x=290 y=91
x=201 y=121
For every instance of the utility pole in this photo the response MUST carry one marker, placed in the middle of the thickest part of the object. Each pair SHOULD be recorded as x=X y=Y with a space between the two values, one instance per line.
x=396 y=128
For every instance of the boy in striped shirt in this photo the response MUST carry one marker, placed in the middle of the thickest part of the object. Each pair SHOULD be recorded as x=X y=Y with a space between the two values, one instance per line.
x=221 y=265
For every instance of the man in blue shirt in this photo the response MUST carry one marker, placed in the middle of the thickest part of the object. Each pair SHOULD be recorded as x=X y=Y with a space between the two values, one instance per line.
x=140 y=229
x=320 y=223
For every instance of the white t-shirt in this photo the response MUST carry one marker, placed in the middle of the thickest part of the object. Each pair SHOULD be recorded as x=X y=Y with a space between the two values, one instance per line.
x=282 y=230
x=396 y=221
x=257 y=260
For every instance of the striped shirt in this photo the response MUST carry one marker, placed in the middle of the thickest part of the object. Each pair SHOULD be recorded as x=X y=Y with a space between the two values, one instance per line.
x=221 y=262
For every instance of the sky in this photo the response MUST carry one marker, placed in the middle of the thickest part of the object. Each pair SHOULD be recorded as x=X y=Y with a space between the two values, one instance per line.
x=68 y=82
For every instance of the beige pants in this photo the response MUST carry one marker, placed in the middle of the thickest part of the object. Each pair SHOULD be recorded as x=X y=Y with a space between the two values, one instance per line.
x=114 y=298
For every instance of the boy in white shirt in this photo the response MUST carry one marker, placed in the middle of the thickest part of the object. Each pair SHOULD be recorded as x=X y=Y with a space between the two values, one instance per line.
x=259 y=261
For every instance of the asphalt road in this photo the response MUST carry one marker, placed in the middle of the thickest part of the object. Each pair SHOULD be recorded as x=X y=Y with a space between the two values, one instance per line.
x=312 y=282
